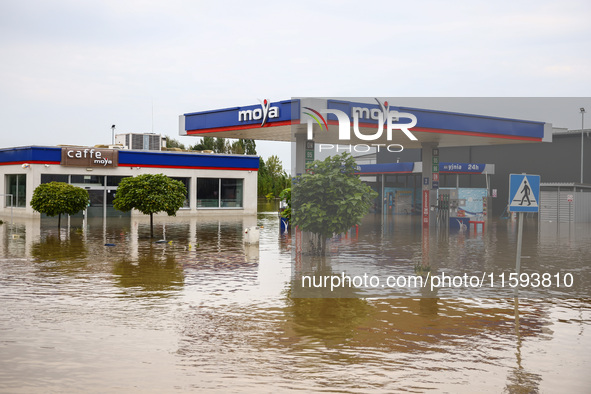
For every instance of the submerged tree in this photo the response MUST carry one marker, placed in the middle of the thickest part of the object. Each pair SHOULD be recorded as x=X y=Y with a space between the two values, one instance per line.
x=330 y=198
x=150 y=194
x=55 y=198
x=286 y=195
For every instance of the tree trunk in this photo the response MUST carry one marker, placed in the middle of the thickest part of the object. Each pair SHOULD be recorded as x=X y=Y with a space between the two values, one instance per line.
x=59 y=220
x=151 y=225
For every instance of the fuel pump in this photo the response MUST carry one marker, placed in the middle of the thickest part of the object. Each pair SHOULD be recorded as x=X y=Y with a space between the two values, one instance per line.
x=447 y=205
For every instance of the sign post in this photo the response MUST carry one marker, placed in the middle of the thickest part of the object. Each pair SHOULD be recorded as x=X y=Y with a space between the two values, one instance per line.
x=426 y=208
x=435 y=168
x=524 y=194
x=569 y=199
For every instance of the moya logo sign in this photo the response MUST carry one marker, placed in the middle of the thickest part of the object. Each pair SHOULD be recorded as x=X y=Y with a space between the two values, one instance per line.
x=264 y=113
x=383 y=115
x=373 y=113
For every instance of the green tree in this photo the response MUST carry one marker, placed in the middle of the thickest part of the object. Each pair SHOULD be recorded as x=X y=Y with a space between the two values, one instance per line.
x=172 y=143
x=248 y=146
x=220 y=145
x=281 y=183
x=206 y=143
x=274 y=167
x=55 y=198
x=330 y=198
x=150 y=194
x=236 y=148
x=272 y=178
x=263 y=180
x=286 y=195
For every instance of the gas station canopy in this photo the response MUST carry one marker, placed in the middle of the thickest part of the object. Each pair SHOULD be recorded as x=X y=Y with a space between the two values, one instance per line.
x=332 y=123
x=282 y=120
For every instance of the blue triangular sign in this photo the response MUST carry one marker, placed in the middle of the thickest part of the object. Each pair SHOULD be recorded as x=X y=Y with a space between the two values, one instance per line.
x=524 y=193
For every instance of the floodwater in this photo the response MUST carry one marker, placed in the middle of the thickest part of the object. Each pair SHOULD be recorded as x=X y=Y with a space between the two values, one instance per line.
x=206 y=313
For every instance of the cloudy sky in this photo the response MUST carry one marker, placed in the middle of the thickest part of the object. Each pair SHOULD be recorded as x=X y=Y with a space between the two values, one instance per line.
x=70 y=69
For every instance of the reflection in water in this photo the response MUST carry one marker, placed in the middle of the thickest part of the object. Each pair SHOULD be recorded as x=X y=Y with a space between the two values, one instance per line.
x=152 y=272
x=203 y=312
x=430 y=325
x=331 y=320
x=486 y=259
x=519 y=380
x=265 y=205
x=68 y=253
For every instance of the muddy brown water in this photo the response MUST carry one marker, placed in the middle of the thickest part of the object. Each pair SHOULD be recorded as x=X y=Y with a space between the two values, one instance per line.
x=205 y=313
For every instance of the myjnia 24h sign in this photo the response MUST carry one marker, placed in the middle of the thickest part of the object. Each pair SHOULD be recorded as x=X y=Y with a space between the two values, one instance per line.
x=89 y=157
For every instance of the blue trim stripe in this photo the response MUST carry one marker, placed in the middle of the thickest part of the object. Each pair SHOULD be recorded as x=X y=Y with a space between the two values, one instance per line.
x=228 y=117
x=476 y=123
x=385 y=168
x=36 y=154
x=30 y=154
x=452 y=121
x=408 y=167
x=462 y=168
x=187 y=160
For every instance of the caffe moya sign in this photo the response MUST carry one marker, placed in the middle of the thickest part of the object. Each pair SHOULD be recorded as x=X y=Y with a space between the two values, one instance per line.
x=89 y=157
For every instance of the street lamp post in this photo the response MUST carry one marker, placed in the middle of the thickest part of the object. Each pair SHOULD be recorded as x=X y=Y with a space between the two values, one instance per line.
x=113 y=135
x=582 y=128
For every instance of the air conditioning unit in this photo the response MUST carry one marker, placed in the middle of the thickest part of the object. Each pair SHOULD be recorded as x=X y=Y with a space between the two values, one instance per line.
x=140 y=141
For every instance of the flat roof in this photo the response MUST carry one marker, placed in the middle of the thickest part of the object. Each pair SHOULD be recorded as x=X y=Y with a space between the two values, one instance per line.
x=563 y=132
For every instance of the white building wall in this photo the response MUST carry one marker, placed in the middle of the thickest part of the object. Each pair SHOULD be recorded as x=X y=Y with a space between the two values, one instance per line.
x=34 y=172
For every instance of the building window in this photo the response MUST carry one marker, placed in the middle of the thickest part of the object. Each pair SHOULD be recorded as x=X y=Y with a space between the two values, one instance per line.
x=16 y=184
x=208 y=192
x=46 y=178
x=114 y=180
x=219 y=193
x=186 y=182
x=87 y=180
x=231 y=193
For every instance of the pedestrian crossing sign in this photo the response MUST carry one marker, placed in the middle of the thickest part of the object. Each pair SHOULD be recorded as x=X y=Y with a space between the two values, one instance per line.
x=524 y=193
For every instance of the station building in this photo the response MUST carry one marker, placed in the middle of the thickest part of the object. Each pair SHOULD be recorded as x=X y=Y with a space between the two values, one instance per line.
x=558 y=163
x=216 y=184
